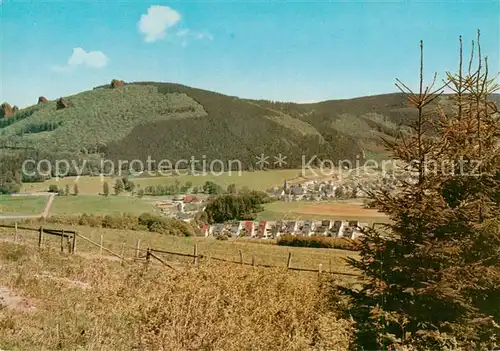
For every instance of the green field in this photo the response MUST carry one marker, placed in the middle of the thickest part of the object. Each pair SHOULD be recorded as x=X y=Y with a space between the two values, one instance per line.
x=21 y=205
x=99 y=205
x=259 y=180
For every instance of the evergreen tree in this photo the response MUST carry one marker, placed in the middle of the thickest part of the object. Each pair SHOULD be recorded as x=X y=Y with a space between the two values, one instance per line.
x=231 y=189
x=432 y=277
x=76 y=191
x=119 y=187
x=66 y=190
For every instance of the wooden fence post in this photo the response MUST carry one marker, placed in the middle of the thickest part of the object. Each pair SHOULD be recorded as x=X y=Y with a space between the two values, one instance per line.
x=137 y=248
x=122 y=253
x=15 y=232
x=148 y=255
x=73 y=245
x=289 y=262
x=330 y=265
x=68 y=242
x=101 y=243
x=253 y=260
x=241 y=257
x=195 y=255
x=62 y=240
x=320 y=269
x=40 y=238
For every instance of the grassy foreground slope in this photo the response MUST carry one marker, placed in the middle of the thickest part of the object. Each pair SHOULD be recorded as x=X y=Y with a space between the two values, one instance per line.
x=60 y=302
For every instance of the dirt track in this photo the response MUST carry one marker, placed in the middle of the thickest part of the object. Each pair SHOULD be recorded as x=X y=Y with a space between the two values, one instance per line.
x=340 y=210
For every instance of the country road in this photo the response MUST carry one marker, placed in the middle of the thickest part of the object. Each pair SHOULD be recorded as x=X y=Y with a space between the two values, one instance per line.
x=44 y=214
x=48 y=206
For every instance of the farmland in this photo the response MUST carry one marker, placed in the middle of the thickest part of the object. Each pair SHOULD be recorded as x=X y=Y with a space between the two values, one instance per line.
x=258 y=180
x=21 y=205
x=340 y=210
x=99 y=205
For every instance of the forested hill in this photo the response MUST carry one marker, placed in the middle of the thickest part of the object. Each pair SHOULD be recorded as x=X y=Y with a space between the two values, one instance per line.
x=172 y=121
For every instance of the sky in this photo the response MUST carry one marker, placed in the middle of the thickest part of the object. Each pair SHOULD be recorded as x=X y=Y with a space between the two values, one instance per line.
x=301 y=51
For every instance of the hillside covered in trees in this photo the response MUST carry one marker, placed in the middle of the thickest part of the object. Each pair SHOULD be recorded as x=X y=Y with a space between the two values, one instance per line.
x=176 y=122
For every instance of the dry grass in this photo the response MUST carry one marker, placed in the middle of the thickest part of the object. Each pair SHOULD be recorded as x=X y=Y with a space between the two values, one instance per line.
x=262 y=253
x=133 y=307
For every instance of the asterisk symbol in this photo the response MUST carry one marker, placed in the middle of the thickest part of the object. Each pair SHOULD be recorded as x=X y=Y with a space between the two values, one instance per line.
x=280 y=160
x=262 y=161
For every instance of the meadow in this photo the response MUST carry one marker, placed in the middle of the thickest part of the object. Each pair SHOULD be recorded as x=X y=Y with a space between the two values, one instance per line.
x=99 y=205
x=54 y=301
x=21 y=205
x=258 y=180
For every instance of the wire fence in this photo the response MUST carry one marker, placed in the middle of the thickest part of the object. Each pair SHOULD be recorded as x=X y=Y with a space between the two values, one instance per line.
x=69 y=239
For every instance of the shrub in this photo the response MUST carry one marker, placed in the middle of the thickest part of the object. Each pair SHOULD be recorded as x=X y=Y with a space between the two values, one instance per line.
x=146 y=221
x=319 y=242
x=90 y=221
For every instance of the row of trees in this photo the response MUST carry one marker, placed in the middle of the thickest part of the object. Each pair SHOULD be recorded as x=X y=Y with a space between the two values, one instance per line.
x=64 y=191
x=209 y=188
x=40 y=127
x=121 y=185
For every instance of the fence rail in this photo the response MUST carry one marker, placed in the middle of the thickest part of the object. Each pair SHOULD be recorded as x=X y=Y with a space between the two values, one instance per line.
x=71 y=236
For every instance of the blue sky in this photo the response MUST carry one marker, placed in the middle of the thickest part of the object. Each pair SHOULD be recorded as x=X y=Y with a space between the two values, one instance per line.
x=282 y=50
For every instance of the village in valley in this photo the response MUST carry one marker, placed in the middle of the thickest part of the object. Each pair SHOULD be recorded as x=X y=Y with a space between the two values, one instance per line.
x=332 y=190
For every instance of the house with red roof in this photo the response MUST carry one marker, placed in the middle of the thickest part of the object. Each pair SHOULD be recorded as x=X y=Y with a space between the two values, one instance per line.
x=188 y=199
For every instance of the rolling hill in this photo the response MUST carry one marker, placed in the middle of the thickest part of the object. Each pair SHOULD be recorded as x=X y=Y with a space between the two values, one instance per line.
x=174 y=122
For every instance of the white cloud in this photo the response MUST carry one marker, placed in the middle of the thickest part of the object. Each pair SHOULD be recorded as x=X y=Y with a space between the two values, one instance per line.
x=80 y=57
x=204 y=36
x=187 y=33
x=95 y=59
x=183 y=33
x=155 y=23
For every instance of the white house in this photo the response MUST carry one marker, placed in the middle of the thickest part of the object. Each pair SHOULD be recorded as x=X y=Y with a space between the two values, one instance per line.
x=290 y=227
x=278 y=228
x=262 y=229
x=249 y=228
x=236 y=228
x=307 y=228
x=337 y=229
x=218 y=229
x=323 y=227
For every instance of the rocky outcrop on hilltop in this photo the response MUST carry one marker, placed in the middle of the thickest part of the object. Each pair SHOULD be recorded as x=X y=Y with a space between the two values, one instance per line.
x=42 y=100
x=6 y=110
x=115 y=83
x=63 y=103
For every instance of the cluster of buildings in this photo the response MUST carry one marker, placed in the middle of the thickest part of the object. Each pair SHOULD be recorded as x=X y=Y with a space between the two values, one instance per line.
x=274 y=229
x=324 y=190
x=183 y=207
